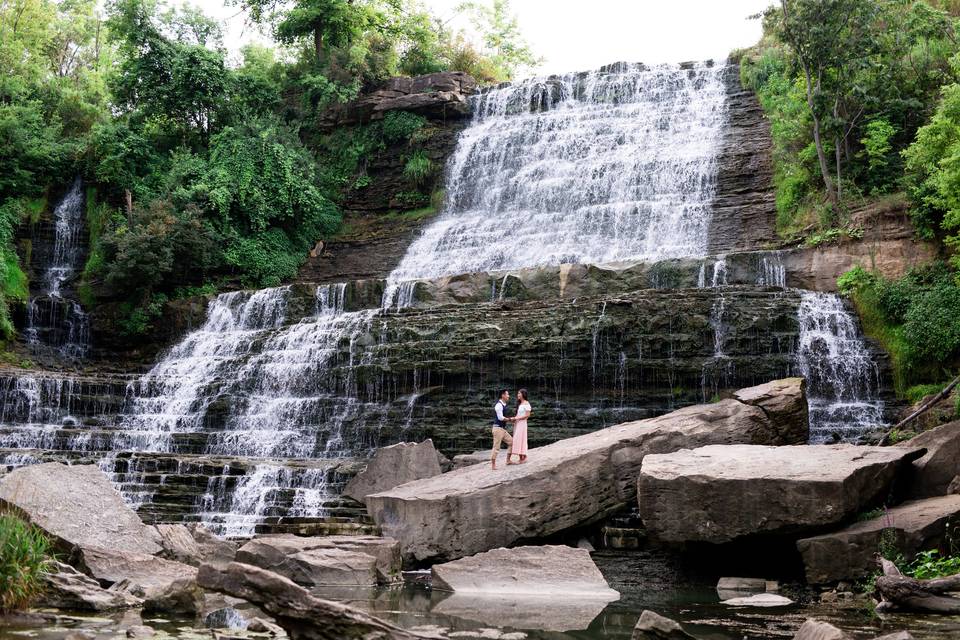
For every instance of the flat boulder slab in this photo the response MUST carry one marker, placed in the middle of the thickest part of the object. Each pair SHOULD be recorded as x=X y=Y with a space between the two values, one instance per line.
x=849 y=554
x=326 y=560
x=67 y=588
x=163 y=585
x=552 y=571
x=78 y=507
x=569 y=483
x=720 y=493
x=932 y=474
x=395 y=465
x=759 y=600
x=301 y=614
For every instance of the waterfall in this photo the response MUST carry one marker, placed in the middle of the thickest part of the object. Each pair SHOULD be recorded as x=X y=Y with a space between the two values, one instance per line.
x=55 y=320
x=609 y=165
x=843 y=381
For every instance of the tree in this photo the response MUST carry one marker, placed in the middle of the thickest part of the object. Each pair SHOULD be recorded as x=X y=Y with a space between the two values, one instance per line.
x=501 y=36
x=828 y=39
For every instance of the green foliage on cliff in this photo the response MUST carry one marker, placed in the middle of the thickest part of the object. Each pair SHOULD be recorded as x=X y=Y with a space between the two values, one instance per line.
x=846 y=93
x=205 y=171
x=916 y=318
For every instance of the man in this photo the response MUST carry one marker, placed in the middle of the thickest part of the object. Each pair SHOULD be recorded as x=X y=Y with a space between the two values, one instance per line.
x=500 y=428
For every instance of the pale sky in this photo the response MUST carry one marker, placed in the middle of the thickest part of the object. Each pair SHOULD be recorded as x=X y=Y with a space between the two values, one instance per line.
x=578 y=35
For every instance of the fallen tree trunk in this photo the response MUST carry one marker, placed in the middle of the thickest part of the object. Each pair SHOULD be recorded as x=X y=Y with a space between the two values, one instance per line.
x=923 y=409
x=901 y=593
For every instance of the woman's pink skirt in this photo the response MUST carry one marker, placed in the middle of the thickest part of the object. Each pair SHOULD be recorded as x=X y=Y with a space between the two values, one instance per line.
x=519 y=438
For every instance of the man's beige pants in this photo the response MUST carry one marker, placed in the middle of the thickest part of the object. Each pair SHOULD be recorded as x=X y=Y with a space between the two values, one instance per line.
x=500 y=435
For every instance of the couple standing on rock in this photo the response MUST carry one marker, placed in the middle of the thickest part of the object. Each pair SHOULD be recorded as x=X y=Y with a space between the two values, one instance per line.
x=518 y=441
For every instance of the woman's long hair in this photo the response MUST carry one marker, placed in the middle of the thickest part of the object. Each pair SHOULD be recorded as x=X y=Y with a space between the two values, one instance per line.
x=523 y=392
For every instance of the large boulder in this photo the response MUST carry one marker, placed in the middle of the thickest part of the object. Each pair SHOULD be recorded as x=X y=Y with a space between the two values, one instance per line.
x=395 y=465
x=723 y=492
x=194 y=544
x=547 y=571
x=67 y=588
x=849 y=554
x=302 y=615
x=931 y=475
x=572 y=482
x=163 y=585
x=326 y=560
x=78 y=507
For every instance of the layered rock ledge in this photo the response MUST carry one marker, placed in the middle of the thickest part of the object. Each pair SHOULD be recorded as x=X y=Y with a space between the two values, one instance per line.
x=572 y=482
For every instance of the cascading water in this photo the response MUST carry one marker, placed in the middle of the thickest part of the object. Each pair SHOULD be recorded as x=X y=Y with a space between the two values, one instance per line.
x=255 y=384
x=843 y=381
x=55 y=320
x=610 y=165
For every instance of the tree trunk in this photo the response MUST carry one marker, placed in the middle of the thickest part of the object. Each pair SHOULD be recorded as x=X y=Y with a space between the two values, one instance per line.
x=318 y=42
x=900 y=593
x=128 y=196
x=817 y=138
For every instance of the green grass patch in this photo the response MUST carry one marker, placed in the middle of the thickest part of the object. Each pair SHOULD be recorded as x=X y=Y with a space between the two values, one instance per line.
x=23 y=562
x=33 y=208
x=891 y=338
x=918 y=392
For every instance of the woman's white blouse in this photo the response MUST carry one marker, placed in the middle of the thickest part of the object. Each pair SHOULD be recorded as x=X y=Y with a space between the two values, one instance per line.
x=523 y=410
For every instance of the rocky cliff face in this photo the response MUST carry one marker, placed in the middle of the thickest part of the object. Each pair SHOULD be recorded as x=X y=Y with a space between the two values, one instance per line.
x=376 y=230
x=744 y=210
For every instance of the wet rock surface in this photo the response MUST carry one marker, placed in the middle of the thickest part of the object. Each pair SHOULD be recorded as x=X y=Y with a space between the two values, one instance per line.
x=850 y=553
x=721 y=493
x=744 y=205
x=543 y=571
x=572 y=482
x=302 y=615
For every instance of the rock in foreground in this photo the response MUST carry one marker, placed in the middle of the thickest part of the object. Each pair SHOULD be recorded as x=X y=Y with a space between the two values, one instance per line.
x=326 y=560
x=67 y=588
x=572 y=482
x=395 y=465
x=652 y=625
x=163 y=585
x=78 y=507
x=720 y=493
x=546 y=571
x=302 y=615
x=849 y=554
x=932 y=474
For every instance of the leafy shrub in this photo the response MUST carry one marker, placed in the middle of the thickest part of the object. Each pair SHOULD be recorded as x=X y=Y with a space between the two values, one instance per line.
x=399 y=126
x=931 y=564
x=418 y=168
x=932 y=323
x=13 y=281
x=916 y=318
x=139 y=319
x=23 y=562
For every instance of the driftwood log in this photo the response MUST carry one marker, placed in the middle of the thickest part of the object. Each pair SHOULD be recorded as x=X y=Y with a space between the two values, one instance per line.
x=901 y=593
x=921 y=410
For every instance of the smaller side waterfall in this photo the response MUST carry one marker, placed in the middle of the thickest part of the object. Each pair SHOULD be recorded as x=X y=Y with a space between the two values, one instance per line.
x=843 y=381
x=54 y=319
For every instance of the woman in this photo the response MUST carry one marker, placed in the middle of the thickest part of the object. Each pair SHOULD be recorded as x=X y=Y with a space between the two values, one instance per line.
x=519 y=446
